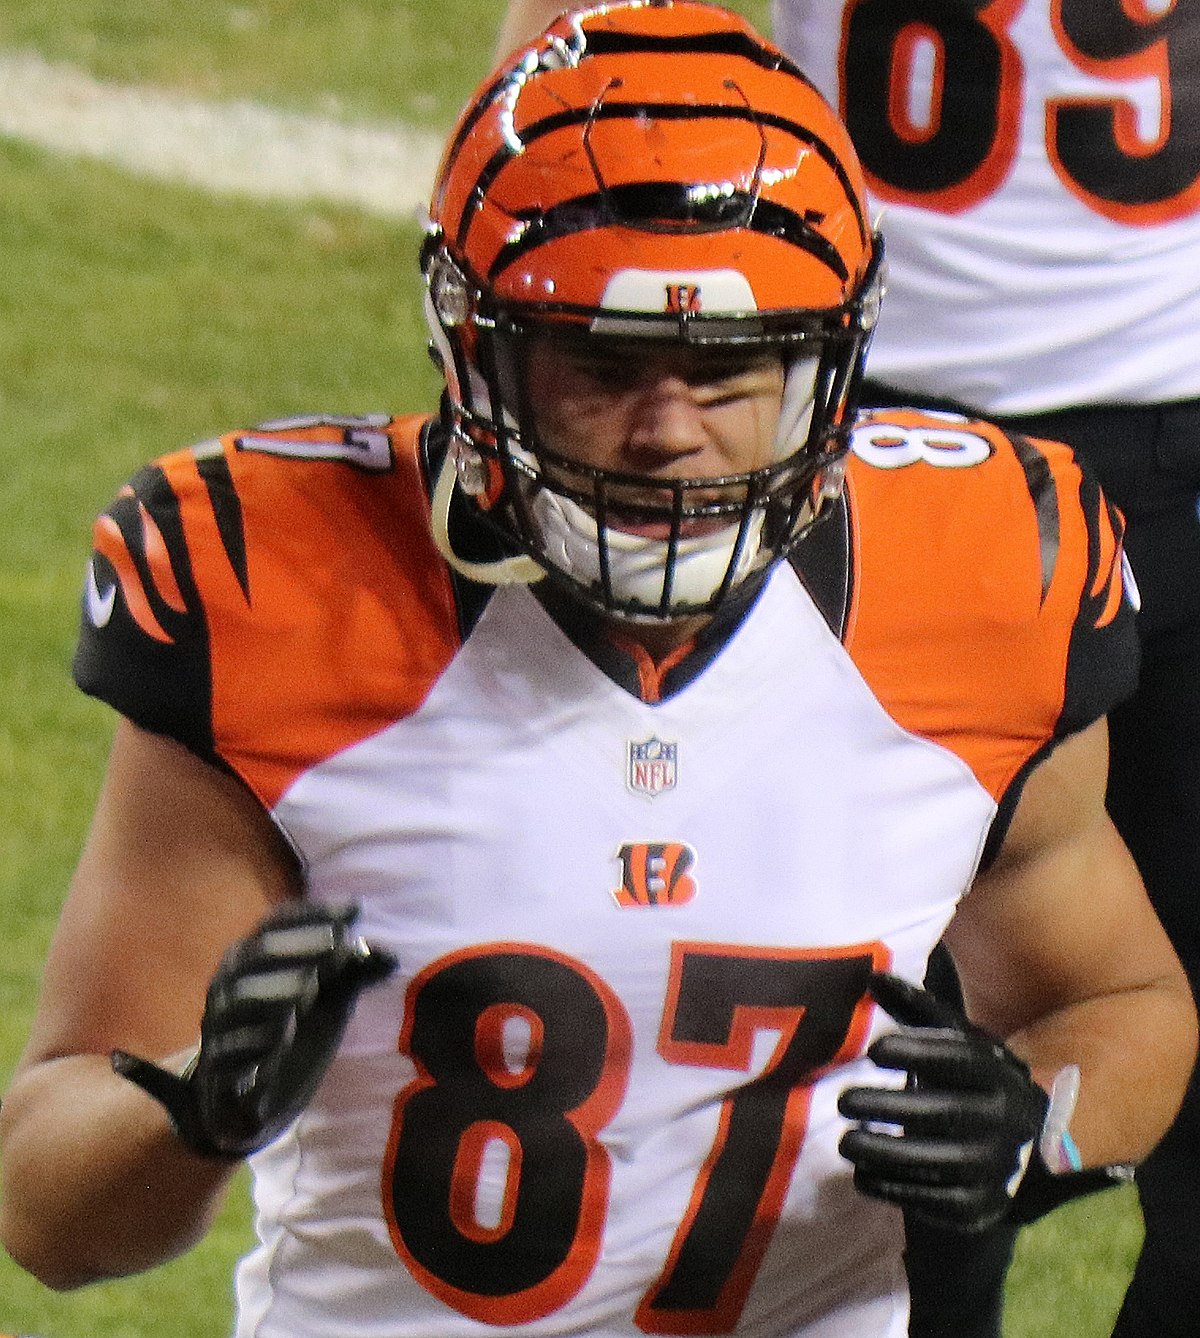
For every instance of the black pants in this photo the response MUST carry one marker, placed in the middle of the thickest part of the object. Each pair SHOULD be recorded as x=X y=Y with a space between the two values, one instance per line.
x=1148 y=462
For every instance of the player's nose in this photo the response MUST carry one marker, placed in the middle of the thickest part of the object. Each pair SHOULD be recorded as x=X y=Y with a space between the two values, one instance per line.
x=667 y=421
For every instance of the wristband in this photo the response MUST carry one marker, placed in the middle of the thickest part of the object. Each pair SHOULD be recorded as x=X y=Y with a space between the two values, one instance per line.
x=1057 y=1147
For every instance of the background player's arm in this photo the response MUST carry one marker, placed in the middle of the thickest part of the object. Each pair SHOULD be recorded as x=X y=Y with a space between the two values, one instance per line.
x=524 y=19
x=180 y=861
x=1061 y=954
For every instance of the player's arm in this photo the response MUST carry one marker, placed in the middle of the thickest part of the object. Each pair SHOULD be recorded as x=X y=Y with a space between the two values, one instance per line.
x=1061 y=954
x=524 y=19
x=180 y=862
x=1066 y=970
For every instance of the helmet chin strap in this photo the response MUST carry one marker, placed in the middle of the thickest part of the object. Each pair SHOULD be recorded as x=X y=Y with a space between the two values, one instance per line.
x=519 y=570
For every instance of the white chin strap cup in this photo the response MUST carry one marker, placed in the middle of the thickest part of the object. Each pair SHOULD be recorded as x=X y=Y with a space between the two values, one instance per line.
x=637 y=566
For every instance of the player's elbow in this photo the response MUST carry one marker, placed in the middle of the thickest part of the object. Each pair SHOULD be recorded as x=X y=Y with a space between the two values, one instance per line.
x=59 y=1250
x=1168 y=1035
x=69 y=1239
x=49 y=1260
x=1187 y=1031
x=41 y=1229
x=66 y=1255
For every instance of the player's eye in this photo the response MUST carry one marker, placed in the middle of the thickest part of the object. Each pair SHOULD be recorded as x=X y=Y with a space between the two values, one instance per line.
x=610 y=370
x=728 y=379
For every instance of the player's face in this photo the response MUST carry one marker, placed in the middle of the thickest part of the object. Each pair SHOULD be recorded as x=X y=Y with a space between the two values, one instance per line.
x=662 y=410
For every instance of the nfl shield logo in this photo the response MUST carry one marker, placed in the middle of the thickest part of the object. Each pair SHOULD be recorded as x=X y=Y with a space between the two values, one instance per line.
x=651 y=766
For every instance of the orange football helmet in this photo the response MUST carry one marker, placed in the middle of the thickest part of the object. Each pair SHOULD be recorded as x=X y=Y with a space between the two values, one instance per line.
x=647 y=170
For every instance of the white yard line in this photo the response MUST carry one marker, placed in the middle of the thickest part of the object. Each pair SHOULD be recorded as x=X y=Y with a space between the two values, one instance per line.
x=240 y=148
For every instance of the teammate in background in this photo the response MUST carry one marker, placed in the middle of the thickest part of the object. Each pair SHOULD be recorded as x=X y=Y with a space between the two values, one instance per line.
x=543 y=813
x=1038 y=168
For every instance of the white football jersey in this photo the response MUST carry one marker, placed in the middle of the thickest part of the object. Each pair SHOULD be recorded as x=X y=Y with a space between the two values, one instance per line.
x=602 y=989
x=1035 y=168
x=634 y=910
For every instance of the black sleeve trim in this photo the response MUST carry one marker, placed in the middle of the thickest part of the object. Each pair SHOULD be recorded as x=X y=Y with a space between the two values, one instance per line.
x=1040 y=481
x=159 y=679
x=822 y=561
x=227 y=511
x=1007 y=806
x=1104 y=657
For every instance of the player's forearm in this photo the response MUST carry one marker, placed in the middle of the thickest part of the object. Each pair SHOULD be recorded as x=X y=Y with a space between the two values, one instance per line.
x=1135 y=1051
x=95 y=1183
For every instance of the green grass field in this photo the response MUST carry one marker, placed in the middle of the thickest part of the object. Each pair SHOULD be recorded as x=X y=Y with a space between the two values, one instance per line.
x=136 y=317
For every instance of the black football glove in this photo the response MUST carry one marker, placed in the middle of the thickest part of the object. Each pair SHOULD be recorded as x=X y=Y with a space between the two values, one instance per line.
x=964 y=1122
x=274 y=1015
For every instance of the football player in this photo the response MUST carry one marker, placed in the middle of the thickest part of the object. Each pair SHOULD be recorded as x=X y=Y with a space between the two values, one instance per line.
x=528 y=825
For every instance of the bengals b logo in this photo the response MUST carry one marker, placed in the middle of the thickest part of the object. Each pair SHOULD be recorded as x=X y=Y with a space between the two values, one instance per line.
x=683 y=297
x=655 y=873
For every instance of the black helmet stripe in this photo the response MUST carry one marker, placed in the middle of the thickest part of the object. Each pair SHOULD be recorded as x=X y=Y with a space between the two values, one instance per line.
x=474 y=116
x=666 y=111
x=667 y=206
x=601 y=42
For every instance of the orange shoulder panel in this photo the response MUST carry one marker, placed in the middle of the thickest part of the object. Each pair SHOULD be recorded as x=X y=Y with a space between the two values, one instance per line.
x=329 y=611
x=973 y=555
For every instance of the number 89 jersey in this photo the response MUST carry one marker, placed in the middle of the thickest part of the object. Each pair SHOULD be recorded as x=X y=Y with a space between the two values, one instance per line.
x=634 y=906
x=1037 y=169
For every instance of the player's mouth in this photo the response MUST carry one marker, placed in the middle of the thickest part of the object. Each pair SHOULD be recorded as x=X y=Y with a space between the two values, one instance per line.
x=656 y=527
x=658 y=513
